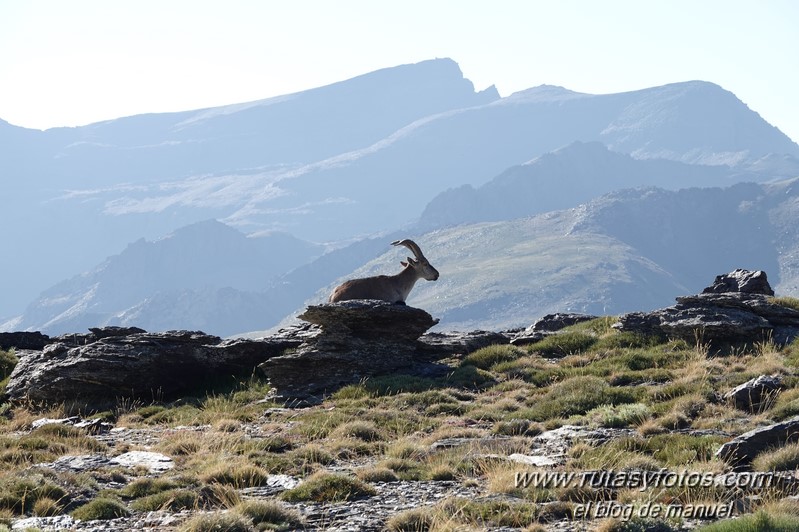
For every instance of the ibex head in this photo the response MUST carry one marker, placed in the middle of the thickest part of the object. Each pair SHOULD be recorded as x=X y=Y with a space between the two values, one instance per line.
x=421 y=265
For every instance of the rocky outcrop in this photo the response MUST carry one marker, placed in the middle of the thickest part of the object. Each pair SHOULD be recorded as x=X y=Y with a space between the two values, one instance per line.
x=739 y=452
x=743 y=281
x=756 y=394
x=338 y=344
x=744 y=315
x=23 y=340
x=459 y=343
x=358 y=339
x=140 y=365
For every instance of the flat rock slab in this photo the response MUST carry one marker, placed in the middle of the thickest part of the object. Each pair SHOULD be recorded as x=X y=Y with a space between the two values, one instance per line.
x=720 y=318
x=369 y=319
x=153 y=462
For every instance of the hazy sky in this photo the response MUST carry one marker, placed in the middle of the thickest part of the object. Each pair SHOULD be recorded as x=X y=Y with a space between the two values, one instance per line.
x=75 y=62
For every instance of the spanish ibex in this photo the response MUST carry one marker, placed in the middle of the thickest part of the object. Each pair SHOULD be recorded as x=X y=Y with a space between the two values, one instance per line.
x=392 y=288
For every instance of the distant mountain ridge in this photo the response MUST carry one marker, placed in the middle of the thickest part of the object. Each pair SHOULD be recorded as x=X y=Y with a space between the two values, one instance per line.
x=337 y=164
x=564 y=178
x=148 y=175
x=201 y=276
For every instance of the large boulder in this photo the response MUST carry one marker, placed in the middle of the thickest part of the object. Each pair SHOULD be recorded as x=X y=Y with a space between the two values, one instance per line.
x=739 y=452
x=139 y=366
x=744 y=314
x=744 y=281
x=357 y=339
x=756 y=394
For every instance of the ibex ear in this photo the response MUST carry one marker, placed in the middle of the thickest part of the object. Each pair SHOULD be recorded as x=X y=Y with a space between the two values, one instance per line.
x=412 y=261
x=403 y=263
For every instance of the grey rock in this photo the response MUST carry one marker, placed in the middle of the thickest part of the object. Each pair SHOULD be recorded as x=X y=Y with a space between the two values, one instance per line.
x=368 y=319
x=153 y=462
x=36 y=423
x=745 y=281
x=534 y=460
x=755 y=394
x=720 y=319
x=86 y=462
x=94 y=334
x=739 y=452
x=34 y=341
x=58 y=522
x=274 y=485
x=554 y=444
x=358 y=339
x=459 y=343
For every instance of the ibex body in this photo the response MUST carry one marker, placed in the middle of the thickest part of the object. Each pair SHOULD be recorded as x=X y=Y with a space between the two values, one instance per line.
x=392 y=288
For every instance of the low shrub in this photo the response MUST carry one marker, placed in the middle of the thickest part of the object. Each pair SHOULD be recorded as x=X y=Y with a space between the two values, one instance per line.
x=376 y=474
x=469 y=377
x=270 y=515
x=172 y=500
x=237 y=475
x=757 y=522
x=488 y=356
x=628 y=340
x=394 y=384
x=636 y=524
x=8 y=362
x=216 y=522
x=416 y=520
x=142 y=487
x=101 y=508
x=785 y=458
x=19 y=495
x=328 y=487
x=517 y=427
x=562 y=344
x=574 y=396
x=620 y=416
x=361 y=430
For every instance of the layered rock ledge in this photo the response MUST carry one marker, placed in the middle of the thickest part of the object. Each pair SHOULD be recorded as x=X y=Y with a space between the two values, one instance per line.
x=141 y=365
x=357 y=339
x=339 y=344
x=736 y=310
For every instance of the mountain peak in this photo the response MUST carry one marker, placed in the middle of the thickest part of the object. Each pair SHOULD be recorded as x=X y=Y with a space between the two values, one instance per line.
x=545 y=93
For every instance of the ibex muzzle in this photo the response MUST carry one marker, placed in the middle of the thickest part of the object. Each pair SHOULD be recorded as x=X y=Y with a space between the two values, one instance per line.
x=392 y=288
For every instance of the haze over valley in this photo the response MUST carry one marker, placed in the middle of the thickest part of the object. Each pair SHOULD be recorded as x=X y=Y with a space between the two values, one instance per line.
x=232 y=219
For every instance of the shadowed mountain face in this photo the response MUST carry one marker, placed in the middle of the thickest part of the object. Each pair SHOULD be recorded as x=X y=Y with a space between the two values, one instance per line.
x=564 y=178
x=354 y=159
x=202 y=276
